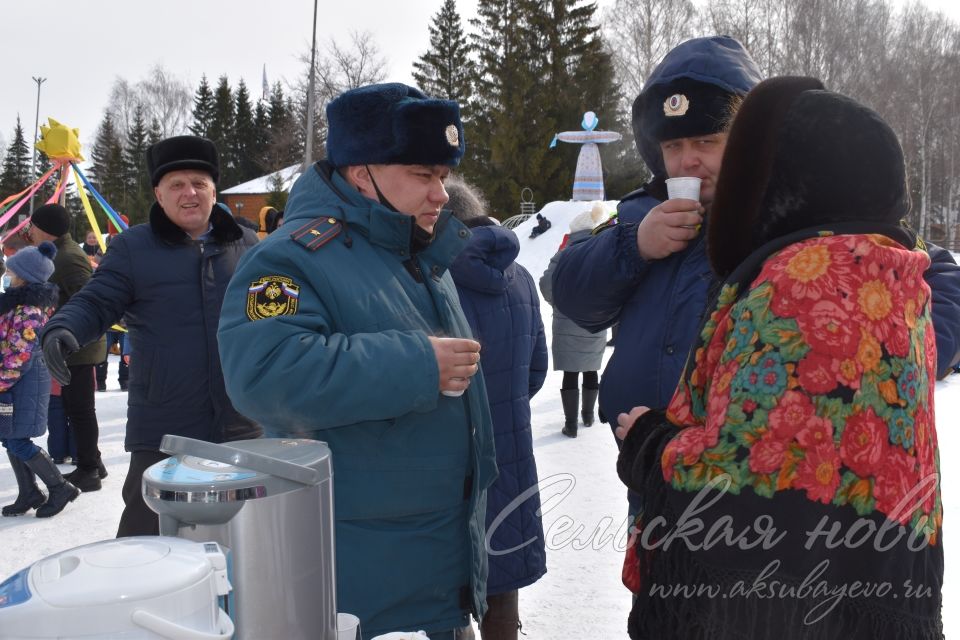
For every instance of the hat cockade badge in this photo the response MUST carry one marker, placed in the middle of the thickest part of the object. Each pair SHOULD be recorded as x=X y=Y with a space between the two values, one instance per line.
x=675 y=105
x=453 y=135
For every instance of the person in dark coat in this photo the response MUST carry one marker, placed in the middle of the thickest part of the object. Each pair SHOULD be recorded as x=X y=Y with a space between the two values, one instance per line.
x=575 y=350
x=802 y=437
x=51 y=223
x=167 y=278
x=500 y=301
x=542 y=225
x=25 y=384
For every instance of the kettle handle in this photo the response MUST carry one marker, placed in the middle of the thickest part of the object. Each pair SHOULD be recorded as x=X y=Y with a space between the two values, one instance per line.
x=168 y=629
x=226 y=454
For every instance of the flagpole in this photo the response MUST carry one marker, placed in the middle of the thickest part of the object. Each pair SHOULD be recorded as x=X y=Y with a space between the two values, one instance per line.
x=308 y=151
x=33 y=147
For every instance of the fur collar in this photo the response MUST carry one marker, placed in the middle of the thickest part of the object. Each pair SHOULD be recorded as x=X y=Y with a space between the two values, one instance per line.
x=42 y=294
x=225 y=228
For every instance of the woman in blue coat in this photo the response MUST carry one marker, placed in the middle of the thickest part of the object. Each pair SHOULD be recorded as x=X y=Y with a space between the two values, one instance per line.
x=499 y=299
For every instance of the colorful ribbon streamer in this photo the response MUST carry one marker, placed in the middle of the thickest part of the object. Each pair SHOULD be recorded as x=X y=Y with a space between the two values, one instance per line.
x=113 y=215
x=32 y=190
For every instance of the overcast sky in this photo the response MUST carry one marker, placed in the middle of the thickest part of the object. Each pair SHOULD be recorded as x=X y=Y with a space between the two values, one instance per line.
x=82 y=46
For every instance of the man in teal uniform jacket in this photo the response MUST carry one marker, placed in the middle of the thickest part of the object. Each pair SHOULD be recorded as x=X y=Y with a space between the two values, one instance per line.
x=345 y=326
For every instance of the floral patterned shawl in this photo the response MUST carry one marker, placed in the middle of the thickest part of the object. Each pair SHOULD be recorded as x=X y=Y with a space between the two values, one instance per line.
x=809 y=399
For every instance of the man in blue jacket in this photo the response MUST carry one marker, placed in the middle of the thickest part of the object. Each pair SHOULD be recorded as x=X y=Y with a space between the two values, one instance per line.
x=344 y=325
x=649 y=272
x=167 y=278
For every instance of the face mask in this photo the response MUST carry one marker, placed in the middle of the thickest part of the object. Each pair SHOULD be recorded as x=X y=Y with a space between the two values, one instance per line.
x=5 y=281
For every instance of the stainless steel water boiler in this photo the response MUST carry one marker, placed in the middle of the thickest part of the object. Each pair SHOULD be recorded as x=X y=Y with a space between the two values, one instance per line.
x=269 y=502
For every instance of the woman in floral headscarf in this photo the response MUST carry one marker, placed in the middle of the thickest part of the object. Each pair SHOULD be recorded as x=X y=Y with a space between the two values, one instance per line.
x=791 y=486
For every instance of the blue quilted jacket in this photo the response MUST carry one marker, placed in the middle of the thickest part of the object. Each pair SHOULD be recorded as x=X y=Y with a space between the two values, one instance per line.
x=500 y=301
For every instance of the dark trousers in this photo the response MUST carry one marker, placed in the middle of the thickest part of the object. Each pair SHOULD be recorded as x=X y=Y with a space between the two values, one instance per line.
x=60 y=441
x=119 y=338
x=137 y=518
x=502 y=621
x=591 y=380
x=80 y=407
x=21 y=448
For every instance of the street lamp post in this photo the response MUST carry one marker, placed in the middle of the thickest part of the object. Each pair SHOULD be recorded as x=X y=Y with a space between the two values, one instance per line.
x=308 y=150
x=33 y=147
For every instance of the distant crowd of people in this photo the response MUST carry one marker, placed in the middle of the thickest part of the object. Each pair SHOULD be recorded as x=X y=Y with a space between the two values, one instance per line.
x=779 y=337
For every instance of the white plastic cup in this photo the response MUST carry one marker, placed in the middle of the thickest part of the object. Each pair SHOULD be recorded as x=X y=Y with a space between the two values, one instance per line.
x=348 y=627
x=685 y=188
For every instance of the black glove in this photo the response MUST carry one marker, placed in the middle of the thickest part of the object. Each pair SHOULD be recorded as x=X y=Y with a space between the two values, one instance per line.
x=57 y=345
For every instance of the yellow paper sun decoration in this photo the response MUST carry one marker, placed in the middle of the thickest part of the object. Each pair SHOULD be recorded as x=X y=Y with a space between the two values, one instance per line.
x=60 y=142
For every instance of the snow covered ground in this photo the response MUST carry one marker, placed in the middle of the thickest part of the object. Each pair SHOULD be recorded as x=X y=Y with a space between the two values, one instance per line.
x=584 y=501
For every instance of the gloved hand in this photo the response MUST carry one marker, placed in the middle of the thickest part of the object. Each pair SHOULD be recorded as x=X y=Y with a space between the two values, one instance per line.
x=57 y=345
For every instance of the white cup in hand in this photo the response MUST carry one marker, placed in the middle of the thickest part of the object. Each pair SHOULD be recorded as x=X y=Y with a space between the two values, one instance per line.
x=683 y=188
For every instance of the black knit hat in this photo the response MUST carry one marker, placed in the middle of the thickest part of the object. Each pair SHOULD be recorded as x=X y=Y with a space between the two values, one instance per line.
x=182 y=152
x=798 y=157
x=52 y=219
x=393 y=124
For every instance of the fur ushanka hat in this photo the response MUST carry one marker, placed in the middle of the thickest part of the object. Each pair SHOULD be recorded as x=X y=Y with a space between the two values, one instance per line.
x=393 y=124
x=180 y=153
x=799 y=156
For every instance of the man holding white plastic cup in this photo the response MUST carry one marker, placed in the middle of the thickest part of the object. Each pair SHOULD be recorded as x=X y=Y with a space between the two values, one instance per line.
x=344 y=325
x=649 y=271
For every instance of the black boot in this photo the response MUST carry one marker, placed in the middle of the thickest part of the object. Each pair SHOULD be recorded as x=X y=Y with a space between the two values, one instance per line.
x=571 y=400
x=101 y=370
x=589 y=402
x=86 y=479
x=61 y=491
x=29 y=496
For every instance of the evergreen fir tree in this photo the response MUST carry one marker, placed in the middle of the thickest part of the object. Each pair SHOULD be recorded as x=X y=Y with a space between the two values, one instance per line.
x=221 y=130
x=534 y=52
x=507 y=144
x=202 y=109
x=285 y=143
x=139 y=187
x=108 y=170
x=446 y=71
x=46 y=191
x=277 y=113
x=74 y=207
x=242 y=142
x=277 y=198
x=155 y=133
x=261 y=138
x=15 y=174
x=578 y=73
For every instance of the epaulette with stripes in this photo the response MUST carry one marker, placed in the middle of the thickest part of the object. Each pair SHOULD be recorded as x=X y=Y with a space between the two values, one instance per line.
x=317 y=232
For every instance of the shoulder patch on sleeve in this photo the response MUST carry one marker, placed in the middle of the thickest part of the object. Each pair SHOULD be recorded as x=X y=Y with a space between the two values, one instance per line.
x=317 y=232
x=272 y=296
